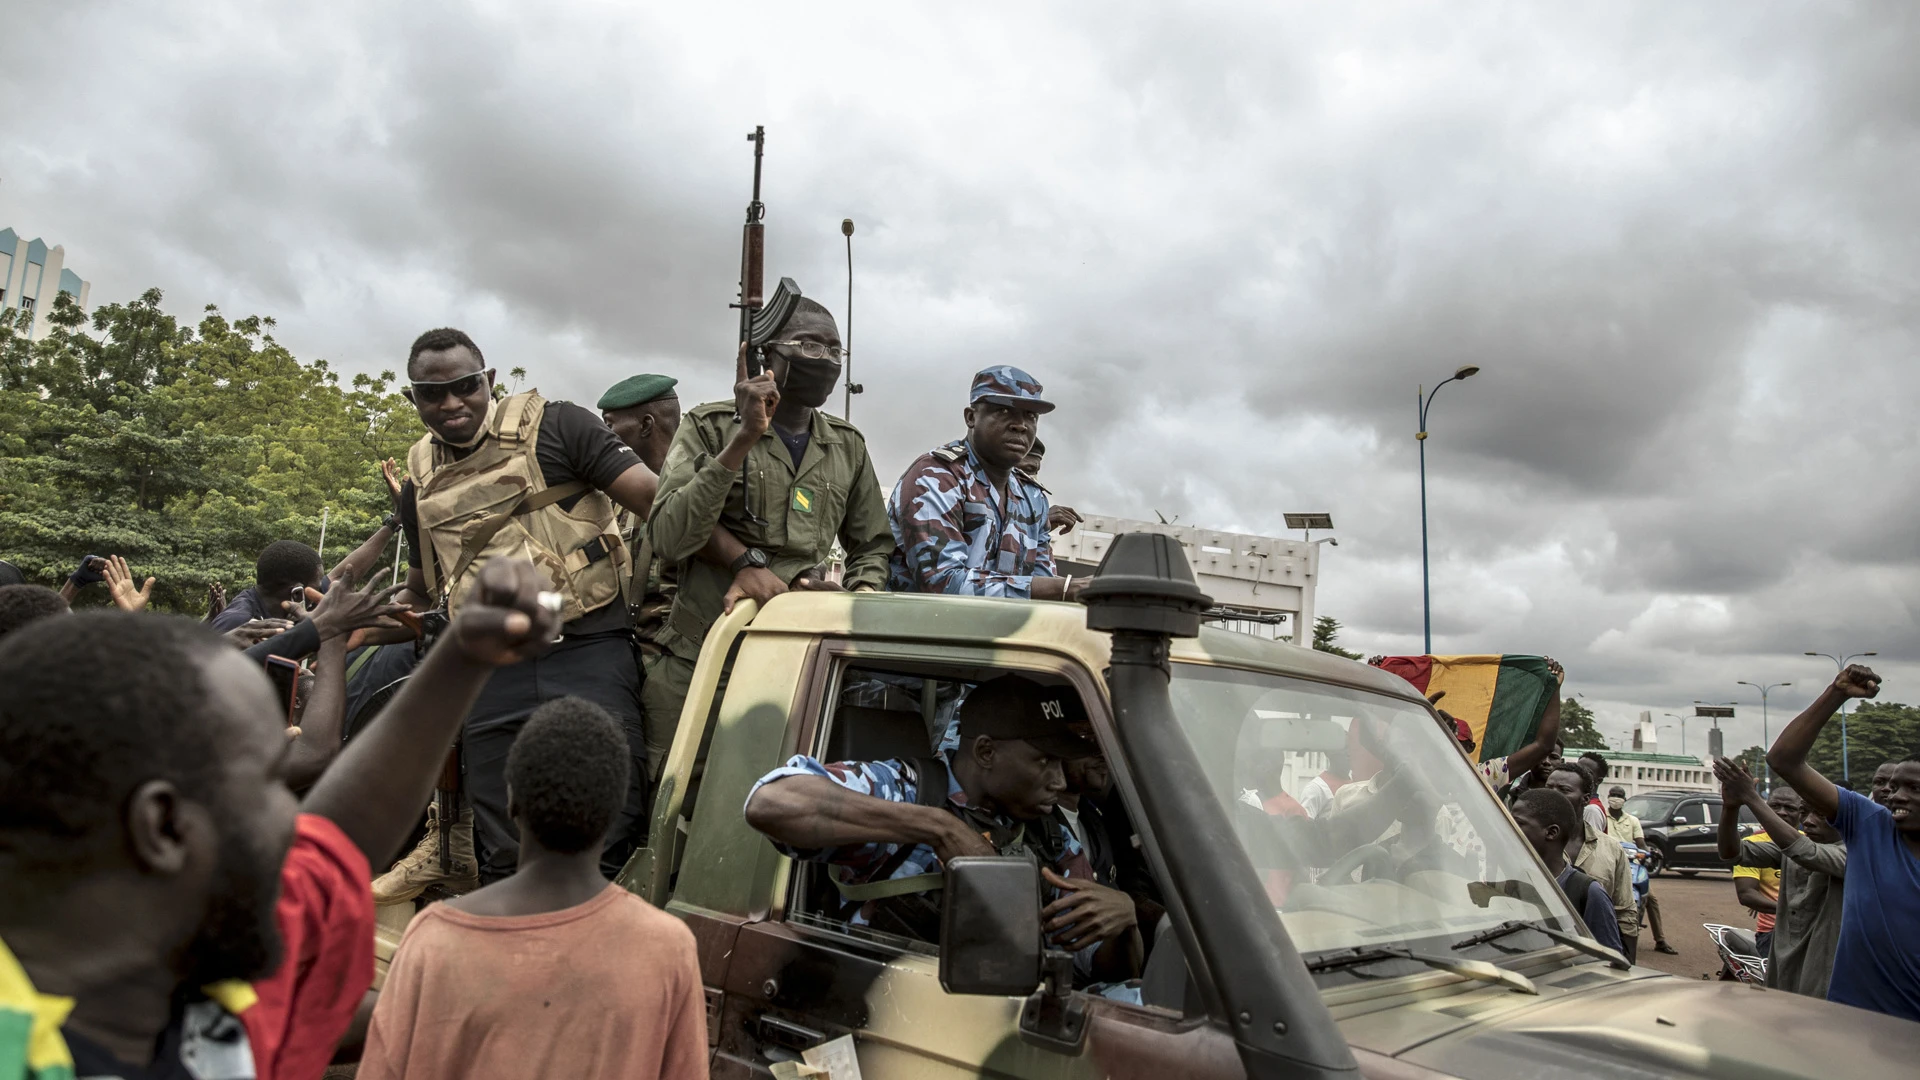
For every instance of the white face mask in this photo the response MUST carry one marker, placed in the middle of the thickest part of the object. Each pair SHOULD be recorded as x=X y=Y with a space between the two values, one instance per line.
x=1616 y=802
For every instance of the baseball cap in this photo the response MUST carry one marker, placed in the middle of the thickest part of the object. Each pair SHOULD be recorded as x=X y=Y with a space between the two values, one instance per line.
x=1463 y=733
x=1016 y=707
x=1007 y=385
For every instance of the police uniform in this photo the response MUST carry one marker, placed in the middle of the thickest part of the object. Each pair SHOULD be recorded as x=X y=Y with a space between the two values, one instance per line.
x=533 y=488
x=953 y=531
x=830 y=493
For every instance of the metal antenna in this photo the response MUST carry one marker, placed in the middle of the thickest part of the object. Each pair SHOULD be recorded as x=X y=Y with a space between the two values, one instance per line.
x=846 y=346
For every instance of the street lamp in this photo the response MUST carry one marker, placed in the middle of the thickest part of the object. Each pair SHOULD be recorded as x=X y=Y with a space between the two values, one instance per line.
x=1424 y=399
x=1718 y=711
x=1766 y=741
x=1840 y=664
x=1683 y=729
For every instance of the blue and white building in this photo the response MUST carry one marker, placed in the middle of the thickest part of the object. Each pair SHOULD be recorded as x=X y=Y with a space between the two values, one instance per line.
x=32 y=274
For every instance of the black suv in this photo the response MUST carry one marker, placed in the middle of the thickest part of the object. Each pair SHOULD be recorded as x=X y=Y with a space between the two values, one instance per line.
x=1680 y=829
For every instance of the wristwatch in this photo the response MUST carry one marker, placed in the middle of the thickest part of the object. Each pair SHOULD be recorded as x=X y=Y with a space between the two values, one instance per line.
x=753 y=557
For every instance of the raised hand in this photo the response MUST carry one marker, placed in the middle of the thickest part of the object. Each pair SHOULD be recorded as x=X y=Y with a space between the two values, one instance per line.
x=343 y=609
x=507 y=618
x=754 y=399
x=1857 y=681
x=1086 y=913
x=120 y=586
x=253 y=632
x=1736 y=783
x=392 y=473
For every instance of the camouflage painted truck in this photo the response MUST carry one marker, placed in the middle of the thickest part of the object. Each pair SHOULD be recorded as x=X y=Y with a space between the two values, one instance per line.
x=1440 y=948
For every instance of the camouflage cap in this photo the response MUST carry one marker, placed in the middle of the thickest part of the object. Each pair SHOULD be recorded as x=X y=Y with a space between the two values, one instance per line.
x=637 y=390
x=1004 y=384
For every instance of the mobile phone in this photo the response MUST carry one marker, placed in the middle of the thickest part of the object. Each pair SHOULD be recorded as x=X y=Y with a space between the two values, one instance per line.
x=285 y=674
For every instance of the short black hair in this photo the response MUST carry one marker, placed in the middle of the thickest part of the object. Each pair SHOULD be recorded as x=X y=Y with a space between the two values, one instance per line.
x=285 y=563
x=568 y=773
x=10 y=575
x=1585 y=774
x=446 y=337
x=1600 y=768
x=96 y=705
x=1548 y=807
x=22 y=604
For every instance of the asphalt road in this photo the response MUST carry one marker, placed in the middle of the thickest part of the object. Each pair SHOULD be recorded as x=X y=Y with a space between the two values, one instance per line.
x=1686 y=903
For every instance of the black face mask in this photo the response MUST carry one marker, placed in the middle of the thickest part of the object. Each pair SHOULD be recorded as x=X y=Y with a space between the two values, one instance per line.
x=810 y=382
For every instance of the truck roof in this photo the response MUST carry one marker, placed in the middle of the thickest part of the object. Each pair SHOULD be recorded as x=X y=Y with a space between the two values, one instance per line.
x=1052 y=625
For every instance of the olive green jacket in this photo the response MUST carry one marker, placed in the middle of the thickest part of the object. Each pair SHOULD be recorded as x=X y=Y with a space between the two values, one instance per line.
x=833 y=494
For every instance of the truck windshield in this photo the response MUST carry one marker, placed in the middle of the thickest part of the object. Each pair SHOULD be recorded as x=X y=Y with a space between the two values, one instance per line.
x=1365 y=822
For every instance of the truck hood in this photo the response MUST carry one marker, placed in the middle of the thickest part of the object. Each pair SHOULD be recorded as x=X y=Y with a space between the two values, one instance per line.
x=1677 y=1027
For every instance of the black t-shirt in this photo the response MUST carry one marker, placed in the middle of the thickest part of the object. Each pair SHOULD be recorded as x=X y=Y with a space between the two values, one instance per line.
x=796 y=443
x=574 y=445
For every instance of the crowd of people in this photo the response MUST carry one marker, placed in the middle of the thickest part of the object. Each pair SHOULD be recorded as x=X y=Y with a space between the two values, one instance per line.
x=193 y=854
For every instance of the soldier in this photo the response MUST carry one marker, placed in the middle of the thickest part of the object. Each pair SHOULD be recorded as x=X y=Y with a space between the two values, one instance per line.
x=645 y=413
x=812 y=484
x=965 y=518
x=1060 y=519
x=519 y=476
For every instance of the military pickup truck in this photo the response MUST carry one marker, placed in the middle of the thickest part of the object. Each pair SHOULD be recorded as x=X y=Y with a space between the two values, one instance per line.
x=1437 y=945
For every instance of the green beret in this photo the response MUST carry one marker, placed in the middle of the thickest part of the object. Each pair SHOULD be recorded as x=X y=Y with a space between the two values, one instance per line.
x=637 y=390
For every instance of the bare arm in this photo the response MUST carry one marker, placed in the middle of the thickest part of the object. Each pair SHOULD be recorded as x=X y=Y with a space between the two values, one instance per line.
x=812 y=812
x=634 y=489
x=320 y=722
x=1788 y=755
x=375 y=789
x=1531 y=755
x=1748 y=891
x=1737 y=788
x=360 y=560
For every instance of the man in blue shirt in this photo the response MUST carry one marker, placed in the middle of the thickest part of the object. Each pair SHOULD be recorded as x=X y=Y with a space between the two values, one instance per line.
x=966 y=519
x=1877 y=963
x=1548 y=820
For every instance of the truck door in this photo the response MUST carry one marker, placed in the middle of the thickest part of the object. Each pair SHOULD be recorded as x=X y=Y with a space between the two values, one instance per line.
x=804 y=969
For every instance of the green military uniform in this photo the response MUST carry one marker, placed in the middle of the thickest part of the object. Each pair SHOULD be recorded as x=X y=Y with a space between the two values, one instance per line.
x=832 y=495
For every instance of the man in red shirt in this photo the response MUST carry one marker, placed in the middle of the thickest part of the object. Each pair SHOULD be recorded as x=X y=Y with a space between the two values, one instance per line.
x=167 y=909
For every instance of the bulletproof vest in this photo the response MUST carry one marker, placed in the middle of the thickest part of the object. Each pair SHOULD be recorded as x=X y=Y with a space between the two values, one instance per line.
x=494 y=503
x=910 y=906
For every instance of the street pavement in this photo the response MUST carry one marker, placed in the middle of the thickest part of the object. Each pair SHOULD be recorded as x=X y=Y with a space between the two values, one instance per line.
x=1686 y=903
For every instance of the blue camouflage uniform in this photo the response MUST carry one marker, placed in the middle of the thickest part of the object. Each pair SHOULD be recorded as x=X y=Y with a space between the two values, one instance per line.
x=951 y=532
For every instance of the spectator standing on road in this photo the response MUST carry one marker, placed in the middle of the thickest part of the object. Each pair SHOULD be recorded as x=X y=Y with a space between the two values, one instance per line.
x=553 y=971
x=1599 y=855
x=966 y=520
x=1812 y=869
x=1876 y=964
x=1625 y=828
x=812 y=484
x=164 y=900
x=1756 y=877
x=1548 y=820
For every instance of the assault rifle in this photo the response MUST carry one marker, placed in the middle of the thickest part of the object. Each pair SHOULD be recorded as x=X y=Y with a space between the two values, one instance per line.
x=758 y=318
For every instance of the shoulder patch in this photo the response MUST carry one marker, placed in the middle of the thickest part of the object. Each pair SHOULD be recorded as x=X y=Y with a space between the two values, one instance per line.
x=949 y=453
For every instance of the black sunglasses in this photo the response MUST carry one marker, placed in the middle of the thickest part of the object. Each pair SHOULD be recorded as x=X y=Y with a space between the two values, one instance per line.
x=433 y=393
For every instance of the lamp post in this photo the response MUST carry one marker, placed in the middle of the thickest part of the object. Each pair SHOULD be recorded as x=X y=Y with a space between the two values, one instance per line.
x=1423 y=398
x=1683 y=729
x=1840 y=664
x=1717 y=711
x=1766 y=739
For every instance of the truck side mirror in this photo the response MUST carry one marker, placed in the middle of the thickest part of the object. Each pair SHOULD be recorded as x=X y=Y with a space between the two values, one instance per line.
x=990 y=941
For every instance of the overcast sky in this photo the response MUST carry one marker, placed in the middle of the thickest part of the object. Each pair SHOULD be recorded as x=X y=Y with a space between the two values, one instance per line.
x=1230 y=240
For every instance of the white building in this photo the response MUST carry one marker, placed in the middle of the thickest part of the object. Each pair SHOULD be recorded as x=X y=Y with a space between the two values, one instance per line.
x=1260 y=584
x=32 y=274
x=1645 y=768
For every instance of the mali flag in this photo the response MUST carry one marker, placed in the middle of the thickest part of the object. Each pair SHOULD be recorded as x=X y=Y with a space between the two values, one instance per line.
x=1502 y=698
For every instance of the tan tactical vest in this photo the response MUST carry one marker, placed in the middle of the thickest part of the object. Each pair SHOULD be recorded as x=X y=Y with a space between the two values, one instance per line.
x=493 y=503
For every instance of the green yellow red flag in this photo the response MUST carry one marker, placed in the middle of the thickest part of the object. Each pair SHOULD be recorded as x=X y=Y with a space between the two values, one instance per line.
x=1501 y=697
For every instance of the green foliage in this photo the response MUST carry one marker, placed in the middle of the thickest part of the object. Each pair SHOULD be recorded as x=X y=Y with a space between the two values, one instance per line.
x=1325 y=629
x=186 y=450
x=1577 y=729
x=1755 y=759
x=1877 y=732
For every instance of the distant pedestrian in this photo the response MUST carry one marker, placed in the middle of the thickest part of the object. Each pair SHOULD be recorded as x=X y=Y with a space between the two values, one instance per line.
x=553 y=971
x=1882 y=782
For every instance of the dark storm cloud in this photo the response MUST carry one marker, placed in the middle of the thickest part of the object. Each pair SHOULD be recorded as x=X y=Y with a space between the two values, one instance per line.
x=1232 y=240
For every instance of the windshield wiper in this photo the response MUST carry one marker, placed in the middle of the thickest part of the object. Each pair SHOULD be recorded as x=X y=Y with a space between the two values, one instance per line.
x=1575 y=941
x=1472 y=969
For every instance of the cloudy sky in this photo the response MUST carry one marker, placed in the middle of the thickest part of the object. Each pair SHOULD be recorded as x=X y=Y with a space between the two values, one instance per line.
x=1232 y=240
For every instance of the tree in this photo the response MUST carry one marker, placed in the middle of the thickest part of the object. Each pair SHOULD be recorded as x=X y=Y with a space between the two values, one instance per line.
x=1576 y=727
x=1877 y=732
x=1325 y=629
x=186 y=450
x=1755 y=760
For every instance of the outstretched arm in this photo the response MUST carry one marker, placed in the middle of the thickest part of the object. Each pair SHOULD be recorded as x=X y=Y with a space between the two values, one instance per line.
x=376 y=787
x=1531 y=755
x=1788 y=756
x=810 y=813
x=359 y=562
